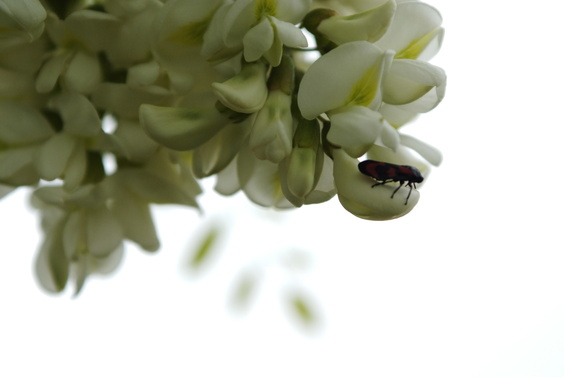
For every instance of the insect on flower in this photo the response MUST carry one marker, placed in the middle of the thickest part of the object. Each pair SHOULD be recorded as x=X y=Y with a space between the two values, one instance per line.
x=384 y=172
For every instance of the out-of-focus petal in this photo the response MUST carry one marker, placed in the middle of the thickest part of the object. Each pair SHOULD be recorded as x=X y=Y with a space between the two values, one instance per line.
x=22 y=124
x=53 y=156
x=258 y=40
x=20 y=21
x=180 y=128
x=103 y=232
x=80 y=118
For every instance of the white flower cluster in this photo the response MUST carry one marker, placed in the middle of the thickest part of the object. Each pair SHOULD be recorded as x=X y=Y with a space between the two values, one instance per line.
x=193 y=89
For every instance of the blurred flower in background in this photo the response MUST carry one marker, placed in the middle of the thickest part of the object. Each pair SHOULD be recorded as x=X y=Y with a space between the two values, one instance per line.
x=109 y=107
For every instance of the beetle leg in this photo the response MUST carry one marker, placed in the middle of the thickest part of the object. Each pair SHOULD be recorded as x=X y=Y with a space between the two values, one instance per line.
x=378 y=183
x=396 y=190
x=408 y=195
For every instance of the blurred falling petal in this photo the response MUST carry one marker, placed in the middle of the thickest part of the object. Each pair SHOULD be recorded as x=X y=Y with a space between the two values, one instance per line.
x=245 y=287
x=205 y=248
x=302 y=308
x=296 y=259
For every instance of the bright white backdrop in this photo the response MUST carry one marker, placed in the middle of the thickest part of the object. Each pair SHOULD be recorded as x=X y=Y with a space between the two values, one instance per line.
x=469 y=284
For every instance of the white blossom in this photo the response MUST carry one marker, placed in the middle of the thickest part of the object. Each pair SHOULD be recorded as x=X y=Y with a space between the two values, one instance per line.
x=108 y=109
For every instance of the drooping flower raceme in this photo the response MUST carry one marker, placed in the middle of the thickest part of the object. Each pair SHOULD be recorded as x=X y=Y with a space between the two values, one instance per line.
x=109 y=108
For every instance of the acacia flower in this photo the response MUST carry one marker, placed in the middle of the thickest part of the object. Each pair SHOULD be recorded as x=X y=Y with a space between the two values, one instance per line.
x=22 y=131
x=260 y=28
x=350 y=99
x=79 y=227
x=110 y=108
x=273 y=127
x=21 y=22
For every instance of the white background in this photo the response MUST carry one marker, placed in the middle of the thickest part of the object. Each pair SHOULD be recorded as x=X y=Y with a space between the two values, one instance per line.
x=470 y=283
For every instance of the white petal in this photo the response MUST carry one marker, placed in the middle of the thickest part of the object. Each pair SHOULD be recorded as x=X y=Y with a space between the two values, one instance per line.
x=135 y=144
x=155 y=188
x=272 y=132
x=246 y=92
x=213 y=37
x=94 y=29
x=134 y=216
x=22 y=124
x=53 y=156
x=143 y=74
x=15 y=161
x=214 y=155
x=108 y=264
x=50 y=72
x=356 y=125
x=74 y=233
x=396 y=115
x=238 y=20
x=76 y=168
x=227 y=180
x=289 y=34
x=20 y=21
x=258 y=40
x=408 y=80
x=349 y=74
x=80 y=118
x=260 y=181
x=357 y=195
x=428 y=152
x=415 y=26
x=103 y=232
x=368 y=26
x=180 y=128
x=51 y=265
x=325 y=188
x=389 y=136
x=292 y=11
x=83 y=73
x=300 y=175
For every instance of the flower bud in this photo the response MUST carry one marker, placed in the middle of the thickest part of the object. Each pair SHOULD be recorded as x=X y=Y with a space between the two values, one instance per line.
x=271 y=136
x=300 y=172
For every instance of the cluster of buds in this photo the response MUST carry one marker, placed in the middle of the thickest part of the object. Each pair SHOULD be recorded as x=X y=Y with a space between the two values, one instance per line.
x=109 y=106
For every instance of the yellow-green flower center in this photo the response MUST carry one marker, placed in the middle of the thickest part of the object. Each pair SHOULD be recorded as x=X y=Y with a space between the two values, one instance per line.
x=265 y=8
